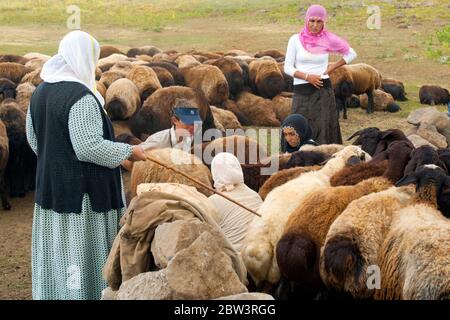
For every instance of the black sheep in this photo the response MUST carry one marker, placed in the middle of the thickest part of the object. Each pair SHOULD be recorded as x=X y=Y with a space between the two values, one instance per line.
x=433 y=95
x=7 y=89
x=306 y=158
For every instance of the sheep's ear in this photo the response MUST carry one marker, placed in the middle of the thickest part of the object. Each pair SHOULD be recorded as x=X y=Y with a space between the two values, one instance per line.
x=412 y=178
x=357 y=133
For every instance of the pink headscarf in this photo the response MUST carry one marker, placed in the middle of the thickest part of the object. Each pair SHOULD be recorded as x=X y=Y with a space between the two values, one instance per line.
x=324 y=41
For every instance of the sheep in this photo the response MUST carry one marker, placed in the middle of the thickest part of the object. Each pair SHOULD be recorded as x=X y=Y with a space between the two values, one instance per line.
x=258 y=110
x=414 y=260
x=106 y=51
x=395 y=88
x=155 y=112
x=34 y=77
x=354 y=239
x=444 y=156
x=208 y=55
x=121 y=127
x=145 y=80
x=109 y=77
x=7 y=89
x=236 y=52
x=22 y=161
x=13 y=71
x=36 y=55
x=128 y=138
x=281 y=158
x=147 y=50
x=270 y=53
x=422 y=156
x=232 y=106
x=327 y=149
x=356 y=78
x=173 y=69
x=398 y=155
x=123 y=67
x=226 y=118
x=283 y=176
x=122 y=99
x=106 y=63
x=263 y=234
x=148 y=171
x=13 y=58
x=306 y=158
x=4 y=156
x=35 y=63
x=101 y=88
x=374 y=141
x=23 y=95
x=164 y=77
x=186 y=61
x=288 y=80
x=266 y=78
x=210 y=80
x=232 y=72
x=298 y=250
x=144 y=58
x=382 y=101
x=282 y=107
x=433 y=95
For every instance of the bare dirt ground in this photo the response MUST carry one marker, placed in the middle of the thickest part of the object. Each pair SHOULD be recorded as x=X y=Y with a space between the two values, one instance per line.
x=385 y=49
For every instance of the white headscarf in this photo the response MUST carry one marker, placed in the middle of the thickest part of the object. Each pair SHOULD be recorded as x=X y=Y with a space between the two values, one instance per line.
x=226 y=171
x=76 y=61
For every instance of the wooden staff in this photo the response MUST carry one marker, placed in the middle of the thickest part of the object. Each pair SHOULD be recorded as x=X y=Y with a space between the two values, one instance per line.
x=201 y=184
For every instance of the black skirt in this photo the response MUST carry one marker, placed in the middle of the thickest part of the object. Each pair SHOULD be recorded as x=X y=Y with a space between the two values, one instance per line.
x=319 y=107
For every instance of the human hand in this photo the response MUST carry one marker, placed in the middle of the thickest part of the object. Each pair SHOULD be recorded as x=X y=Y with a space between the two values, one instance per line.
x=138 y=154
x=315 y=80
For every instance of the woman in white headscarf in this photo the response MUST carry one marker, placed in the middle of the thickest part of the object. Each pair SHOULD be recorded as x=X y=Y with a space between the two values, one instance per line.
x=229 y=179
x=79 y=191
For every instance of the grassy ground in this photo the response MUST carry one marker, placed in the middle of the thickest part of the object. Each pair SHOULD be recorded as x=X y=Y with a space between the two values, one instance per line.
x=412 y=46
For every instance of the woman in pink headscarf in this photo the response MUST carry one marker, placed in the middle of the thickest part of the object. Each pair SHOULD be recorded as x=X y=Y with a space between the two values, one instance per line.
x=307 y=62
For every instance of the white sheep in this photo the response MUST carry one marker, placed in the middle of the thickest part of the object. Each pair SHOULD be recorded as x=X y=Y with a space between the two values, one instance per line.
x=264 y=233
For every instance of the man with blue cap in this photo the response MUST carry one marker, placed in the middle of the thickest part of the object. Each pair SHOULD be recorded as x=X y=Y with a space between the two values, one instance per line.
x=184 y=118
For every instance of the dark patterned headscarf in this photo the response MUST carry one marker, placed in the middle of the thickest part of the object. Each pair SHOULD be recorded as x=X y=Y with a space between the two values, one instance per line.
x=301 y=126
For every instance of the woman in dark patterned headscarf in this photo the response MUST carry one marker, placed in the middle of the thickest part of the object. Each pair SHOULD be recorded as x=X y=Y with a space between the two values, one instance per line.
x=295 y=132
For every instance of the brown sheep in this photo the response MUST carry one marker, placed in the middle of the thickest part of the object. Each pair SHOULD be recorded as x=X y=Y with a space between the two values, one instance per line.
x=233 y=73
x=148 y=171
x=13 y=58
x=122 y=99
x=122 y=67
x=33 y=77
x=23 y=95
x=236 y=52
x=172 y=68
x=155 y=113
x=109 y=77
x=35 y=63
x=208 y=55
x=288 y=80
x=266 y=78
x=186 y=61
x=13 y=71
x=101 y=88
x=20 y=171
x=282 y=107
x=106 y=63
x=357 y=79
x=395 y=88
x=258 y=110
x=283 y=176
x=148 y=50
x=36 y=55
x=7 y=89
x=144 y=57
x=164 y=77
x=270 y=53
x=225 y=118
x=4 y=156
x=145 y=80
x=128 y=138
x=106 y=51
x=232 y=106
x=382 y=101
x=433 y=95
x=210 y=80
x=121 y=127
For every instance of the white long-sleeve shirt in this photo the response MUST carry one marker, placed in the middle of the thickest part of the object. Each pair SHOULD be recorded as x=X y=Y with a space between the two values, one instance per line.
x=298 y=59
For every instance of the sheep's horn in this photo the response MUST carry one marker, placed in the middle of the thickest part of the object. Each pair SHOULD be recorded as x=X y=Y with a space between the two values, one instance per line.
x=201 y=184
x=357 y=133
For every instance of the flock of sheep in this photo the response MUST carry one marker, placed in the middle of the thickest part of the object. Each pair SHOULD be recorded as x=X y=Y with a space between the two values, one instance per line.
x=330 y=213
